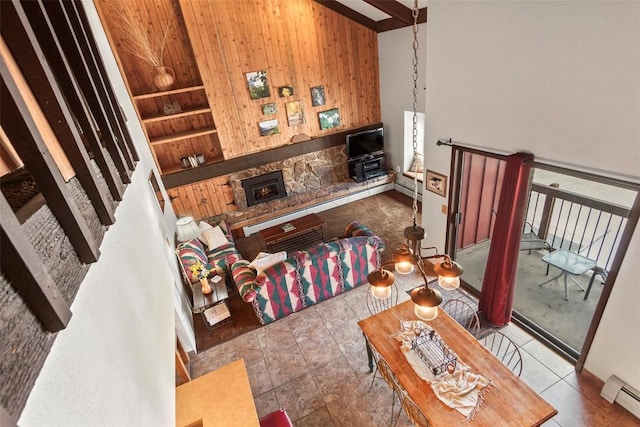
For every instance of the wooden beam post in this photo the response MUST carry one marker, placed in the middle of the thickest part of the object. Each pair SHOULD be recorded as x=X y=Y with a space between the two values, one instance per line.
x=20 y=125
x=29 y=277
x=20 y=37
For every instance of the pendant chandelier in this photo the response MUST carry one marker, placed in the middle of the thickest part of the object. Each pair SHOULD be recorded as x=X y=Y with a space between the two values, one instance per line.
x=408 y=256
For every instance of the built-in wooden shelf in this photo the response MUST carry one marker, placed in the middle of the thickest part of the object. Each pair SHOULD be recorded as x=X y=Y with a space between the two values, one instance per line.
x=177 y=115
x=168 y=92
x=181 y=135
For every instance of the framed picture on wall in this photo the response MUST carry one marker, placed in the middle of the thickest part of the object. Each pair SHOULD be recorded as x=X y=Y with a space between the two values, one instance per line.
x=284 y=91
x=295 y=113
x=258 y=84
x=317 y=96
x=329 y=119
x=269 y=108
x=268 y=127
x=436 y=183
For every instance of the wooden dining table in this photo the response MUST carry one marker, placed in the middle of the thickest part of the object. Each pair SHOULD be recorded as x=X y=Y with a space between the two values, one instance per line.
x=509 y=402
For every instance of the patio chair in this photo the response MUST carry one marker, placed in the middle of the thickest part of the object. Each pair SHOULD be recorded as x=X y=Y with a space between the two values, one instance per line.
x=530 y=241
x=504 y=349
x=597 y=271
x=463 y=313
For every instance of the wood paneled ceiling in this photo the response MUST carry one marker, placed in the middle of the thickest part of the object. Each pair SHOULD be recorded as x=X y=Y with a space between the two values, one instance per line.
x=378 y=15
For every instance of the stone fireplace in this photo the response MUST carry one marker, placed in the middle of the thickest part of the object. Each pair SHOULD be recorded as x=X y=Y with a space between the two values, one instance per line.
x=264 y=188
x=302 y=176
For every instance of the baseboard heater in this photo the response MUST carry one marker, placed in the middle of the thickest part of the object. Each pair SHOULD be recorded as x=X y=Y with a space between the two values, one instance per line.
x=616 y=390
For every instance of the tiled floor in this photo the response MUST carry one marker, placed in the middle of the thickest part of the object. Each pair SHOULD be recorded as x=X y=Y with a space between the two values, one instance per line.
x=314 y=364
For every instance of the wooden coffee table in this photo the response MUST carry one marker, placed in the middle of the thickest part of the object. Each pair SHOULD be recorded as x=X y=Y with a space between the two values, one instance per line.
x=295 y=234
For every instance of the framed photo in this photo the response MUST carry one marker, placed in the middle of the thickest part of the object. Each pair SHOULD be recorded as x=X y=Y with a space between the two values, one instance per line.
x=269 y=108
x=317 y=96
x=329 y=119
x=258 y=84
x=268 y=127
x=295 y=113
x=285 y=91
x=436 y=183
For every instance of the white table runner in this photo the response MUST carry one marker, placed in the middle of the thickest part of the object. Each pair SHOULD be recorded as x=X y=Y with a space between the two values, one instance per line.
x=461 y=390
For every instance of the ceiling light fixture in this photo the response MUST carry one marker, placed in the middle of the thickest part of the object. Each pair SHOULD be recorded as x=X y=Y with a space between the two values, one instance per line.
x=408 y=255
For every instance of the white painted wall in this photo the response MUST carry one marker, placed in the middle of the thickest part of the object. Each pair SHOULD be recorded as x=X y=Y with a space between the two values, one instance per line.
x=395 y=61
x=559 y=79
x=114 y=363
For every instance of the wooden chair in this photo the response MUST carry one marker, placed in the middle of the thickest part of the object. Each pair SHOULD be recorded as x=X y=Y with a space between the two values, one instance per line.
x=375 y=306
x=463 y=313
x=414 y=413
x=504 y=349
x=382 y=366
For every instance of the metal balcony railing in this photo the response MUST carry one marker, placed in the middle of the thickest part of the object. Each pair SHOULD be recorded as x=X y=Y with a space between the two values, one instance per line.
x=575 y=222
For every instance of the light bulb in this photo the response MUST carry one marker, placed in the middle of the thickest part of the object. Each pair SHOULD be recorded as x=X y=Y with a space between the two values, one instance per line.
x=404 y=267
x=426 y=313
x=381 y=292
x=448 y=282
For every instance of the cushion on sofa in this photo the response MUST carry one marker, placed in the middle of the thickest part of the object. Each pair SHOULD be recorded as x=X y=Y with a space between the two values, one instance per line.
x=192 y=253
x=264 y=260
x=213 y=237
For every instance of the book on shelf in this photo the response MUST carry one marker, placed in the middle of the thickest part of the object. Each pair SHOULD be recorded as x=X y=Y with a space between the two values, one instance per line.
x=288 y=227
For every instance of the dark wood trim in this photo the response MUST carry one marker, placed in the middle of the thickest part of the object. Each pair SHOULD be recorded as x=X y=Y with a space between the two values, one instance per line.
x=52 y=50
x=189 y=176
x=343 y=10
x=394 y=23
x=625 y=241
x=20 y=38
x=100 y=78
x=79 y=65
x=21 y=129
x=28 y=275
x=394 y=9
x=117 y=110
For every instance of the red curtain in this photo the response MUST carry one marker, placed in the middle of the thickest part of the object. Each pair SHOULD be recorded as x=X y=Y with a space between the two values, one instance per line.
x=498 y=286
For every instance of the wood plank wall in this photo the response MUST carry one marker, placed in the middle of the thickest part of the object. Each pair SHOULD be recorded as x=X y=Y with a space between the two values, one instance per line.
x=203 y=199
x=298 y=43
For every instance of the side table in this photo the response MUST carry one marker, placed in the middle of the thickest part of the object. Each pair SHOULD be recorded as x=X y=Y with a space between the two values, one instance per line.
x=213 y=307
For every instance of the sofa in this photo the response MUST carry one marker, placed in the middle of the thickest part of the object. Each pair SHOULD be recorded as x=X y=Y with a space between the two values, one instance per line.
x=311 y=276
x=215 y=249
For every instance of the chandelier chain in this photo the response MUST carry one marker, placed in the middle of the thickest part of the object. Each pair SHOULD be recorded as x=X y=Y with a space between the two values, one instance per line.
x=414 y=13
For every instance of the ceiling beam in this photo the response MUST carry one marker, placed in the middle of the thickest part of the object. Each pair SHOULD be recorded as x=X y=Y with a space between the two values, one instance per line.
x=393 y=8
x=349 y=13
x=394 y=23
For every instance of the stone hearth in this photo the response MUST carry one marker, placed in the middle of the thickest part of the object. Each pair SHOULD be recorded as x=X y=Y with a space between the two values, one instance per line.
x=311 y=178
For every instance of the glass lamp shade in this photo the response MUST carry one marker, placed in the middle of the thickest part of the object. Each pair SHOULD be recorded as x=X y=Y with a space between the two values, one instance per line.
x=426 y=313
x=381 y=292
x=404 y=260
x=426 y=302
x=448 y=282
x=381 y=281
x=404 y=267
x=449 y=273
x=187 y=229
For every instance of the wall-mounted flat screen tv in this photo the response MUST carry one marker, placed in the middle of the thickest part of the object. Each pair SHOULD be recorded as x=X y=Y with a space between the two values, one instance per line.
x=368 y=143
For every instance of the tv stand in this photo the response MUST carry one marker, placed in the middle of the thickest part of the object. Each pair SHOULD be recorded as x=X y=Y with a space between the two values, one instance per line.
x=368 y=167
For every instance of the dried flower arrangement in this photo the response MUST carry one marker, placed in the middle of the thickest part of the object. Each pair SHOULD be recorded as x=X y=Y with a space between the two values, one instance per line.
x=137 y=39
